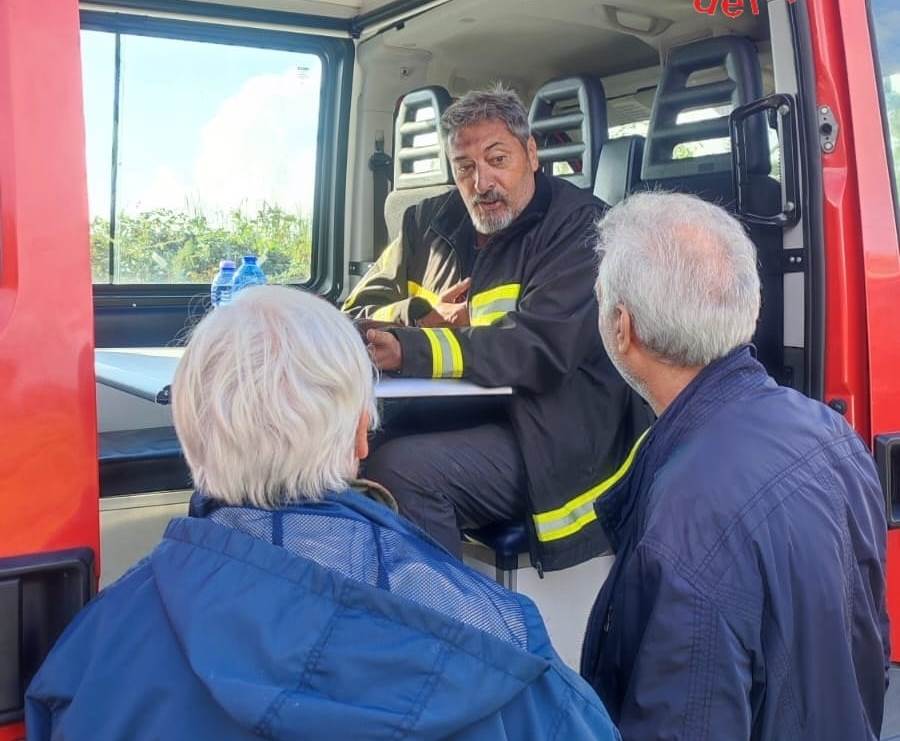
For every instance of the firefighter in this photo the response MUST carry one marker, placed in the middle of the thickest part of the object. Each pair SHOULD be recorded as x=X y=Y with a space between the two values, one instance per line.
x=493 y=282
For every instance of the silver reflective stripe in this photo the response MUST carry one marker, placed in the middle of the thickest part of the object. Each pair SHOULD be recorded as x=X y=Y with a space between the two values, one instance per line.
x=570 y=519
x=489 y=313
x=446 y=354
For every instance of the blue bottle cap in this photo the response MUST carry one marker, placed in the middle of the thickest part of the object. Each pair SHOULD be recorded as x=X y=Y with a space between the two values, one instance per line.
x=250 y=258
x=226 y=265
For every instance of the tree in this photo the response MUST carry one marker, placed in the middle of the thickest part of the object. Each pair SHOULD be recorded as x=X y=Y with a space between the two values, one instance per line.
x=167 y=246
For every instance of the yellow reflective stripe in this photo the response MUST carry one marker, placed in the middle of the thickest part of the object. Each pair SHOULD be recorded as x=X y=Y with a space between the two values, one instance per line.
x=485 y=320
x=506 y=291
x=416 y=291
x=574 y=527
x=578 y=512
x=437 y=355
x=384 y=313
x=446 y=354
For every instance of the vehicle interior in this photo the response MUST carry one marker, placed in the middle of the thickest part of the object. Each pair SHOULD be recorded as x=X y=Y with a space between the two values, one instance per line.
x=623 y=96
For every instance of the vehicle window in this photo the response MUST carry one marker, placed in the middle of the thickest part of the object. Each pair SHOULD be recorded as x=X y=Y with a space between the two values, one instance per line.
x=196 y=152
x=886 y=23
x=635 y=128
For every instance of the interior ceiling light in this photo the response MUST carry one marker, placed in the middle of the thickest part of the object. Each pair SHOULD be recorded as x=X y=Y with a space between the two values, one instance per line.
x=634 y=22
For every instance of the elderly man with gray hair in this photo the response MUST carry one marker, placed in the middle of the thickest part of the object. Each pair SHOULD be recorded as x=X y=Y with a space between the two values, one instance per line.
x=747 y=599
x=297 y=604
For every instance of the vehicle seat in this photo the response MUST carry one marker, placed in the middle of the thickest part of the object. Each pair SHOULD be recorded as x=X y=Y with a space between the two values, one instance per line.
x=568 y=122
x=143 y=460
x=421 y=169
x=505 y=542
x=619 y=168
x=711 y=177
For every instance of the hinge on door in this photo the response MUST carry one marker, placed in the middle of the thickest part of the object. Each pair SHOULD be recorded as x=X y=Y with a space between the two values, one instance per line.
x=828 y=129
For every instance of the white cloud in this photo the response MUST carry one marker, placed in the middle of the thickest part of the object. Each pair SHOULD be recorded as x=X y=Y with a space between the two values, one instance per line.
x=261 y=146
x=165 y=190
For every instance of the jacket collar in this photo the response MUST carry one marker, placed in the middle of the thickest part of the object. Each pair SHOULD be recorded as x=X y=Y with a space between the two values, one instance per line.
x=350 y=503
x=723 y=380
x=453 y=223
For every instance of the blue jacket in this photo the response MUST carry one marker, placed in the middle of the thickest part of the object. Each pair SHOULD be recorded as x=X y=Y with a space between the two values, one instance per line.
x=376 y=634
x=747 y=600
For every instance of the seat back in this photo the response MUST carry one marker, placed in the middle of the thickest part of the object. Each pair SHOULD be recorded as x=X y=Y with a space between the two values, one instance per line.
x=675 y=96
x=421 y=169
x=619 y=168
x=710 y=176
x=568 y=122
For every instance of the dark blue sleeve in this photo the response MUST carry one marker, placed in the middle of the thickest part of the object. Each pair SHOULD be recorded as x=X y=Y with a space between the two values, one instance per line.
x=691 y=676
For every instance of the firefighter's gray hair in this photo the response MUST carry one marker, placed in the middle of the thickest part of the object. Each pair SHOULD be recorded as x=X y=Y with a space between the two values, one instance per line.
x=267 y=398
x=497 y=103
x=685 y=270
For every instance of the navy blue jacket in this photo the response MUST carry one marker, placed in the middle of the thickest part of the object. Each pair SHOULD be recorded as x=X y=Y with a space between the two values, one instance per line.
x=747 y=600
x=373 y=633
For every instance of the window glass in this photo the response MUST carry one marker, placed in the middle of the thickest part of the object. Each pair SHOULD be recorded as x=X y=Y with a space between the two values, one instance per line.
x=886 y=22
x=99 y=73
x=215 y=157
x=635 y=128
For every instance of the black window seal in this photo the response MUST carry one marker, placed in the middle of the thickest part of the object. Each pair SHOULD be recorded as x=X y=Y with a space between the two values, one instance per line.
x=336 y=55
x=229 y=13
x=810 y=161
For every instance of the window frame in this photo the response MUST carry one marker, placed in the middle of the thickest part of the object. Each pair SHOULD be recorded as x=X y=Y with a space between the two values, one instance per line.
x=885 y=120
x=336 y=55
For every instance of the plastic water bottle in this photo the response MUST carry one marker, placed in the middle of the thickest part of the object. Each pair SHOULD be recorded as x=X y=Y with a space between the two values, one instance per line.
x=249 y=274
x=221 y=289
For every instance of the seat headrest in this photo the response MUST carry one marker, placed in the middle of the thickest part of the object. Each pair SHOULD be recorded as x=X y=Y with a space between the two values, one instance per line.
x=568 y=122
x=738 y=58
x=619 y=168
x=419 y=156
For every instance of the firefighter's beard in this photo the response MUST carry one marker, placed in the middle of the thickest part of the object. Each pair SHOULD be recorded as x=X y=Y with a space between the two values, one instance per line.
x=608 y=337
x=494 y=220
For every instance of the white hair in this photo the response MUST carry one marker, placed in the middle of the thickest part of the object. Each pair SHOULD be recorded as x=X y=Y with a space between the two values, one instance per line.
x=267 y=398
x=686 y=272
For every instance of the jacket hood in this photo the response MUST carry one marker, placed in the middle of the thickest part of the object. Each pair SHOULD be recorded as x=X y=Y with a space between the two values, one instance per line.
x=289 y=649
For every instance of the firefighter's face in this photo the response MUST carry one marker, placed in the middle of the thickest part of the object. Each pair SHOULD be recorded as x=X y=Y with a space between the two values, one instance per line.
x=494 y=172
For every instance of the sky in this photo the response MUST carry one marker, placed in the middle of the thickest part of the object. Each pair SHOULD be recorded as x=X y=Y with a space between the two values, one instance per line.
x=202 y=126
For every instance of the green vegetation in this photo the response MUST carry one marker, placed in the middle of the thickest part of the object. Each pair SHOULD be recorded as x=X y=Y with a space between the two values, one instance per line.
x=166 y=246
x=892 y=105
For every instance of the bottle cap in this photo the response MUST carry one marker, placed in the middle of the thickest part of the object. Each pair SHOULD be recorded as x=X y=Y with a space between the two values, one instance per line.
x=250 y=258
x=226 y=264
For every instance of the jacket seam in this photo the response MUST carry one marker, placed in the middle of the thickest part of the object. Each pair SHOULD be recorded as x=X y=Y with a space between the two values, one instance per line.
x=425 y=691
x=264 y=726
x=699 y=701
x=340 y=600
x=801 y=460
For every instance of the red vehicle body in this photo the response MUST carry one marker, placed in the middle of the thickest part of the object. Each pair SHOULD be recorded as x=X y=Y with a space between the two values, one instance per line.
x=48 y=424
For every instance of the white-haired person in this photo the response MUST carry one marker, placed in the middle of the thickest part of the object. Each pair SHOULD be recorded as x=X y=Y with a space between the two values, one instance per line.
x=295 y=606
x=747 y=599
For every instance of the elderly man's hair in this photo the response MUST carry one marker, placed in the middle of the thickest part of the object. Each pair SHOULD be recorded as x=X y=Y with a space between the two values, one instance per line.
x=267 y=398
x=497 y=103
x=685 y=270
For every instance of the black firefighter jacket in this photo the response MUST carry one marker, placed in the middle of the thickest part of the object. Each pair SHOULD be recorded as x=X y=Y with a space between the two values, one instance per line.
x=533 y=319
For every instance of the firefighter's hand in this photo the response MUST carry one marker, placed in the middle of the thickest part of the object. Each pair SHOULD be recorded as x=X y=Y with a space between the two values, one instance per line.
x=385 y=349
x=452 y=310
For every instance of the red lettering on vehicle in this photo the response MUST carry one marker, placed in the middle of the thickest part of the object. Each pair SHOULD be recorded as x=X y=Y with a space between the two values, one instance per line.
x=730 y=8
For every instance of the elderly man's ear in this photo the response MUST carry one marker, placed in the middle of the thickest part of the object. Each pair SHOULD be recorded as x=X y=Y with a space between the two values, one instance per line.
x=362 y=437
x=624 y=332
